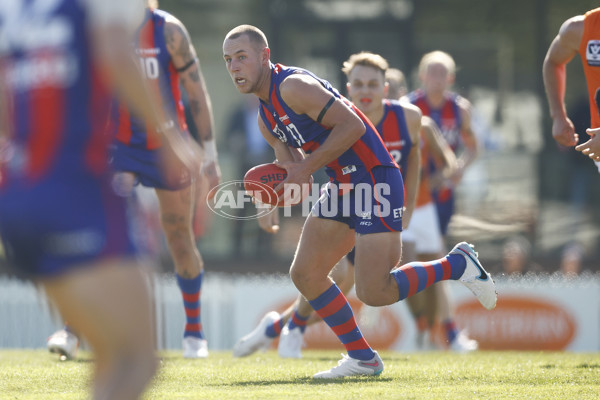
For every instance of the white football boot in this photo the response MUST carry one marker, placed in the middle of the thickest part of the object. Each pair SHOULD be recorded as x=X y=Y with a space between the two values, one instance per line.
x=463 y=343
x=257 y=339
x=290 y=343
x=63 y=343
x=352 y=367
x=194 y=347
x=475 y=278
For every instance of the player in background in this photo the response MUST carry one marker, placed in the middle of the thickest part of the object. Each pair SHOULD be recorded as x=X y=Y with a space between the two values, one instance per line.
x=452 y=114
x=577 y=35
x=299 y=111
x=423 y=239
x=61 y=223
x=167 y=59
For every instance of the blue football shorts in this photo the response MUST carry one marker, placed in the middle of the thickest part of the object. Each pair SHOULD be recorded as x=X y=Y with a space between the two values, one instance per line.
x=373 y=205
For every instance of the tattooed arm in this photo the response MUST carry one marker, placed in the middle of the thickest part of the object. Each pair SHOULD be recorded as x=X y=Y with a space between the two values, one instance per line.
x=184 y=59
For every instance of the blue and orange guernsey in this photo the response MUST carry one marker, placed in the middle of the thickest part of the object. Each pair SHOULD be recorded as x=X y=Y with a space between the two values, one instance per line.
x=589 y=50
x=155 y=63
x=447 y=117
x=394 y=132
x=300 y=131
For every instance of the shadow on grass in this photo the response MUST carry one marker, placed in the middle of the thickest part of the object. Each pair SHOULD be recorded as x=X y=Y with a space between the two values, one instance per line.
x=174 y=357
x=78 y=360
x=586 y=365
x=305 y=380
x=386 y=358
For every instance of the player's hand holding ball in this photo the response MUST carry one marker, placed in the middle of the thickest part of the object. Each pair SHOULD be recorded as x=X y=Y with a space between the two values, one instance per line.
x=273 y=184
x=297 y=184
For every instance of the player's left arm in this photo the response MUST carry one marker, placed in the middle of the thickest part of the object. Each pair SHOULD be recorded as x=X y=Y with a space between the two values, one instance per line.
x=305 y=95
x=562 y=50
x=413 y=167
x=469 y=139
x=185 y=61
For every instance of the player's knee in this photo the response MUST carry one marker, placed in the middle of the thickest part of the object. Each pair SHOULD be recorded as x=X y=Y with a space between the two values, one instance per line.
x=299 y=279
x=369 y=296
x=302 y=279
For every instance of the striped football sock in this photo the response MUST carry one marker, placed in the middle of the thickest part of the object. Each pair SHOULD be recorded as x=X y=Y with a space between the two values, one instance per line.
x=416 y=276
x=335 y=310
x=274 y=329
x=297 y=321
x=190 y=291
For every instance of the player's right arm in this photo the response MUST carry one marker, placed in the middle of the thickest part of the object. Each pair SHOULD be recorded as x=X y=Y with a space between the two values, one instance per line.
x=112 y=32
x=185 y=60
x=440 y=151
x=270 y=222
x=560 y=53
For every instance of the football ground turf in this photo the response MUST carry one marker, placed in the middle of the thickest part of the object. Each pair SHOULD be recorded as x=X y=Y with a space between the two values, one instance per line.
x=36 y=374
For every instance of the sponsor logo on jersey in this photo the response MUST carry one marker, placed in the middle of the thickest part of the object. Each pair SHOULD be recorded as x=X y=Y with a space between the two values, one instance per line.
x=397 y=143
x=398 y=212
x=59 y=69
x=592 y=53
x=348 y=169
x=148 y=52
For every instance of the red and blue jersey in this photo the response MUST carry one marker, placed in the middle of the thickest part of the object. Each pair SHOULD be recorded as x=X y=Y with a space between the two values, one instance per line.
x=301 y=131
x=57 y=207
x=56 y=100
x=447 y=117
x=158 y=69
x=394 y=132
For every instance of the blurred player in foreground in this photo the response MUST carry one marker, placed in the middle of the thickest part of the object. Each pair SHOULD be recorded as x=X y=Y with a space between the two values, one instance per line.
x=167 y=58
x=577 y=35
x=299 y=112
x=60 y=221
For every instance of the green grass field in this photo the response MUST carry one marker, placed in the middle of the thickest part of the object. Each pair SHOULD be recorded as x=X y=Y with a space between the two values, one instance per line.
x=36 y=374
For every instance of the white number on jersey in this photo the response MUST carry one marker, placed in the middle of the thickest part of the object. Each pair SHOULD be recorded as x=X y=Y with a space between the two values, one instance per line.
x=150 y=68
x=397 y=155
